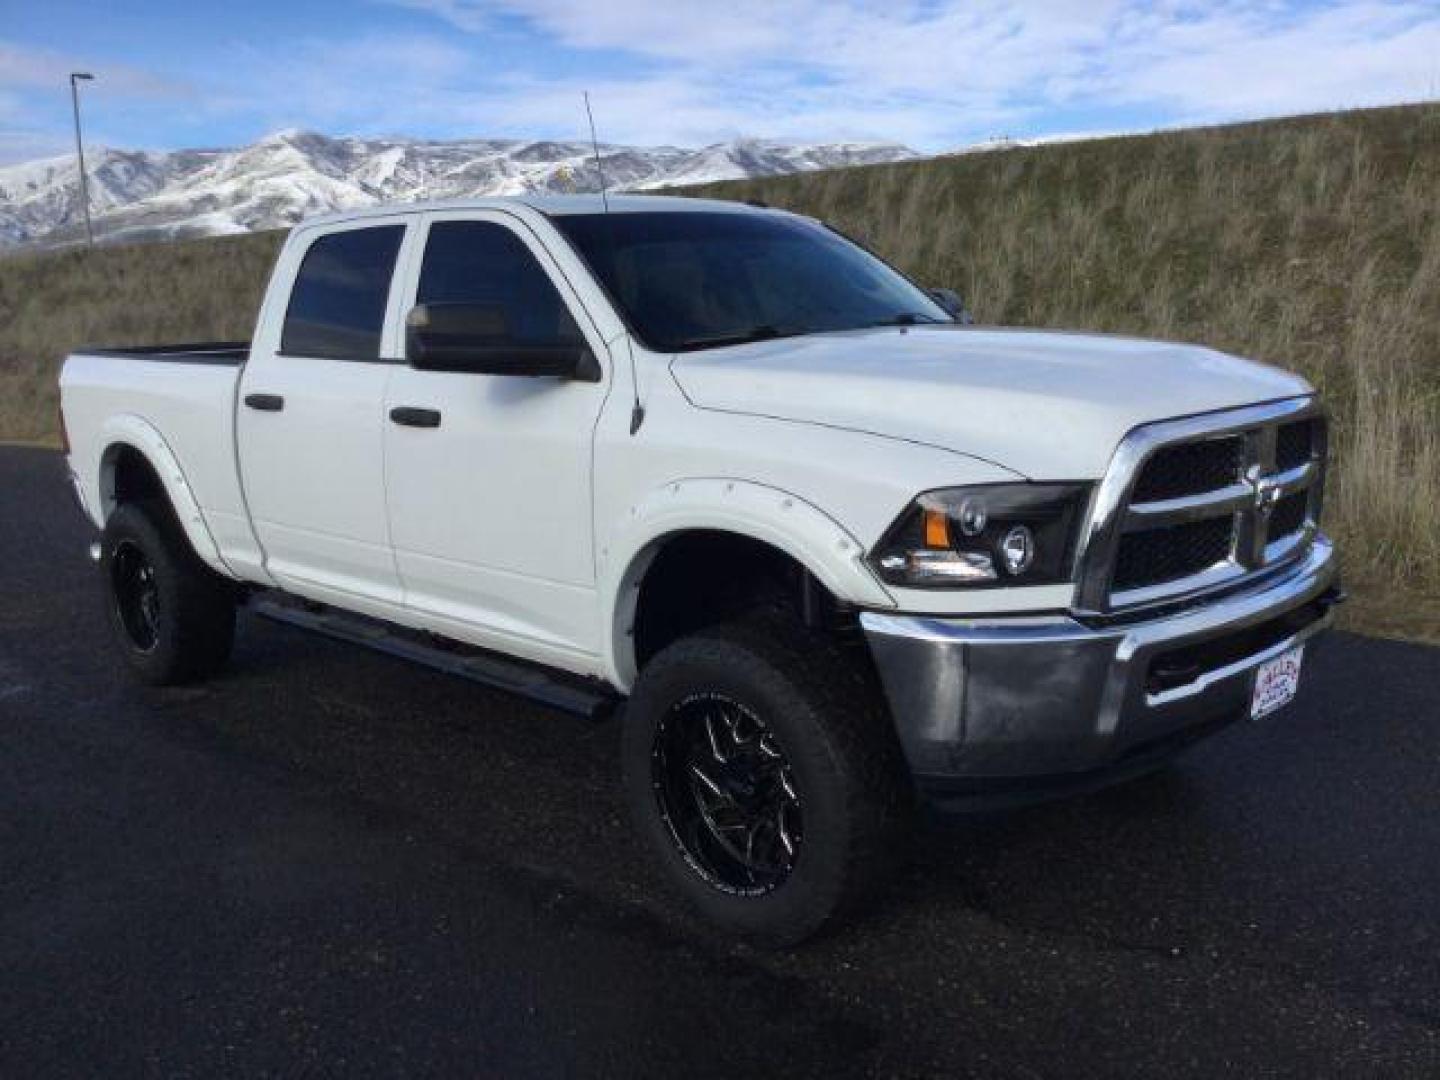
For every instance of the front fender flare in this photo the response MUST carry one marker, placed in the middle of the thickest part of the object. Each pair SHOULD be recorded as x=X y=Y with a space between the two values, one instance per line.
x=770 y=515
x=128 y=430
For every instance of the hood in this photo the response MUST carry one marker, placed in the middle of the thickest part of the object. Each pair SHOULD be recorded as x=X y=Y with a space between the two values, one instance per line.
x=1050 y=406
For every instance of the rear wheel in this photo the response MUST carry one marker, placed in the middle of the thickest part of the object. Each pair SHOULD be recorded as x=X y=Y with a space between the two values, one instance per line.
x=760 y=768
x=171 y=615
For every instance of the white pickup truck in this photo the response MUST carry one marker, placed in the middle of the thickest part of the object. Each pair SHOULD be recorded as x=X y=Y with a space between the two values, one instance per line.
x=831 y=547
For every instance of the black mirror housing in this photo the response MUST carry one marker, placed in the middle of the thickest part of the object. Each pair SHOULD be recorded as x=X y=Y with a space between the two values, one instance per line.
x=950 y=300
x=475 y=339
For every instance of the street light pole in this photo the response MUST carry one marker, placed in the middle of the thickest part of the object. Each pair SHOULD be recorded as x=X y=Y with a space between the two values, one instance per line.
x=80 y=152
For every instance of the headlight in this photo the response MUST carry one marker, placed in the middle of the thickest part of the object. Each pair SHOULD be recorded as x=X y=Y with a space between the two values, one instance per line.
x=987 y=536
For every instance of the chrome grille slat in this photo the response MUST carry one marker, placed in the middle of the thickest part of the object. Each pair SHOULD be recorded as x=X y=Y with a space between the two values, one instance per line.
x=1208 y=504
x=1297 y=479
x=1257 y=461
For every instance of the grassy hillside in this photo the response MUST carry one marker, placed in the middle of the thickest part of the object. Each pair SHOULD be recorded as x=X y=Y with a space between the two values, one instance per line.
x=1313 y=243
x=52 y=303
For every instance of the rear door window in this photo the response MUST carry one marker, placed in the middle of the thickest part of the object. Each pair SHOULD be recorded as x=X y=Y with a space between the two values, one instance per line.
x=337 y=305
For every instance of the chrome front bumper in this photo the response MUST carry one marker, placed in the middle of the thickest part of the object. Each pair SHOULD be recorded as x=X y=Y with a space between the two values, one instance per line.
x=977 y=702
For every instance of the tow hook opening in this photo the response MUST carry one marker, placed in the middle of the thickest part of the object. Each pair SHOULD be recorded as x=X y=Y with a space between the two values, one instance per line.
x=1175 y=668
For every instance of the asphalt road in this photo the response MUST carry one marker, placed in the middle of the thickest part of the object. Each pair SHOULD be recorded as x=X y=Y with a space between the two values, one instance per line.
x=327 y=861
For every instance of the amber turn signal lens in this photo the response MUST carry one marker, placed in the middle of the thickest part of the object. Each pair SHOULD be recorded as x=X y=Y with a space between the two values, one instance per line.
x=937 y=529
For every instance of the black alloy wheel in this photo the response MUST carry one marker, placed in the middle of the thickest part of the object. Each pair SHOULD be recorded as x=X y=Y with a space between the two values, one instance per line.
x=136 y=595
x=761 y=772
x=727 y=793
x=172 y=617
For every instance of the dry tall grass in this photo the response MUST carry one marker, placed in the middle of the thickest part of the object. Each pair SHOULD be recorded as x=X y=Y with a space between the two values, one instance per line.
x=1312 y=243
x=51 y=304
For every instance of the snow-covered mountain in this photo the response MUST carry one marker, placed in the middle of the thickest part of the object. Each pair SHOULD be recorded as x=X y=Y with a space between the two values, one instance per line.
x=1029 y=142
x=296 y=174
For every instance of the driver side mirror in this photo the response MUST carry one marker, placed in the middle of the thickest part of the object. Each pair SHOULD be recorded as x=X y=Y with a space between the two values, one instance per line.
x=950 y=300
x=476 y=339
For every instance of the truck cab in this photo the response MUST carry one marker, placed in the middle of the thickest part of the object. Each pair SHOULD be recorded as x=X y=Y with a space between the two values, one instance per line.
x=834 y=551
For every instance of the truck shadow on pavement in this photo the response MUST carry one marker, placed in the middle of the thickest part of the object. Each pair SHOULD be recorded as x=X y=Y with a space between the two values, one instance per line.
x=1233 y=848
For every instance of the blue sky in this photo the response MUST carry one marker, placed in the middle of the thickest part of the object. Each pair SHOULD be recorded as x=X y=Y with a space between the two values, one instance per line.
x=931 y=73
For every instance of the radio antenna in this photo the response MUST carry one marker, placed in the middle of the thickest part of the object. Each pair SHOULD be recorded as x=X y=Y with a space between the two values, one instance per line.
x=595 y=145
x=637 y=410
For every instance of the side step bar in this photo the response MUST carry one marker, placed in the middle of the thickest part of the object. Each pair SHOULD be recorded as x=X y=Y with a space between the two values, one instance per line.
x=558 y=690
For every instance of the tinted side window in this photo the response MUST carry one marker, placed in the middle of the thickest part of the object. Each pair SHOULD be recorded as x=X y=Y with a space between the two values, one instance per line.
x=337 y=305
x=479 y=262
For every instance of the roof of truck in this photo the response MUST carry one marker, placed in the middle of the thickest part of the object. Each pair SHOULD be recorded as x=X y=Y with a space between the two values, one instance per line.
x=556 y=205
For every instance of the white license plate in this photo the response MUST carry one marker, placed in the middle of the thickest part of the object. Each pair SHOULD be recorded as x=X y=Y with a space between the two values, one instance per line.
x=1276 y=682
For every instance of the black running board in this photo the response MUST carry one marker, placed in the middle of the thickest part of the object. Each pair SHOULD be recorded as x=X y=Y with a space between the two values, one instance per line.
x=558 y=690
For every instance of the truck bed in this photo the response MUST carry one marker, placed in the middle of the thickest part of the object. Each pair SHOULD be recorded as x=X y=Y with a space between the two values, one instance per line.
x=180 y=398
x=226 y=353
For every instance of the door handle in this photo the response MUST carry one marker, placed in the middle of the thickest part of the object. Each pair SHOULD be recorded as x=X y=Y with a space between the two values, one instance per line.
x=409 y=417
x=265 y=402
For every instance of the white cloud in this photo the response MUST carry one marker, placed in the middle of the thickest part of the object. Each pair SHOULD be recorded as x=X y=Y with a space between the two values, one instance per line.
x=19 y=140
x=1349 y=55
x=367 y=82
x=930 y=73
x=934 y=71
x=17 y=146
x=28 y=68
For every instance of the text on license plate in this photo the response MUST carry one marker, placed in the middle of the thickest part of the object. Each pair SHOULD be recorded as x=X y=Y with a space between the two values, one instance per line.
x=1276 y=682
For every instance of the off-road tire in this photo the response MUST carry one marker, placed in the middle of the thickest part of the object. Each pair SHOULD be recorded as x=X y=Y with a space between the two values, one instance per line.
x=822 y=702
x=194 y=621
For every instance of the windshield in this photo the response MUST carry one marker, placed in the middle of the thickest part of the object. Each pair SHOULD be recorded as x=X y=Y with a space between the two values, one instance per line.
x=693 y=280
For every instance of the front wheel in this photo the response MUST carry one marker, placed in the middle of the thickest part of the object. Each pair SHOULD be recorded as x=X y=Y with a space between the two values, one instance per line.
x=761 y=770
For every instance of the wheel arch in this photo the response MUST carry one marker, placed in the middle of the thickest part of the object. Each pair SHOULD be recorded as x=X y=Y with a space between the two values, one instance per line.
x=756 y=516
x=137 y=463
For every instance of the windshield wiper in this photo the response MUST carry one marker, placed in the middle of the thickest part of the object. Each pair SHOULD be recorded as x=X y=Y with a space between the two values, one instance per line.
x=740 y=337
x=906 y=318
x=769 y=331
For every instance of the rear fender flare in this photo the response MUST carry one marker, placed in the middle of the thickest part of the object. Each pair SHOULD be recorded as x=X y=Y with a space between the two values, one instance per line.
x=140 y=435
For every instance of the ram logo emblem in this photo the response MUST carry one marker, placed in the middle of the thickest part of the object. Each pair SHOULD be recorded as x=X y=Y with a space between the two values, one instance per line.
x=1267 y=490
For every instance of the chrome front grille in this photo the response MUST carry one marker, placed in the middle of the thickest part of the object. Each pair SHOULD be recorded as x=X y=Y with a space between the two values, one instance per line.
x=1295 y=443
x=1171 y=552
x=1190 y=468
x=1289 y=515
x=1196 y=504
